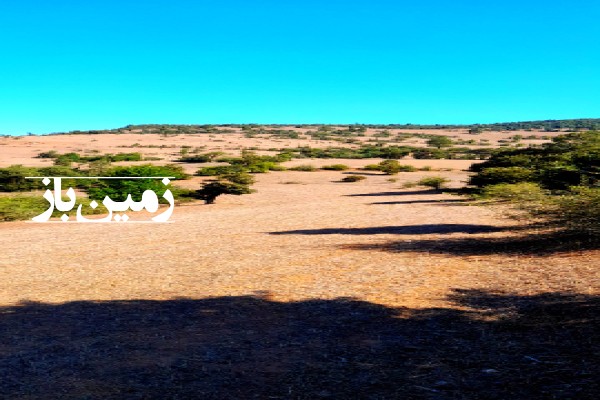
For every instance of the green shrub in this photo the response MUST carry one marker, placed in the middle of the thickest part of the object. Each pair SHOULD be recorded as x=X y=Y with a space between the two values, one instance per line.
x=277 y=167
x=261 y=167
x=220 y=170
x=200 y=158
x=119 y=189
x=569 y=160
x=517 y=192
x=304 y=168
x=21 y=207
x=353 y=178
x=212 y=189
x=242 y=178
x=48 y=154
x=24 y=207
x=430 y=154
x=494 y=176
x=122 y=157
x=407 y=168
x=12 y=179
x=434 y=182
x=392 y=167
x=335 y=167
x=439 y=142
x=577 y=212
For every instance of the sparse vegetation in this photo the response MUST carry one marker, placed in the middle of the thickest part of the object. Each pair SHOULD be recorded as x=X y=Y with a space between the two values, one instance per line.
x=390 y=167
x=26 y=206
x=434 y=182
x=557 y=185
x=233 y=183
x=119 y=189
x=439 y=141
x=353 y=178
x=304 y=168
x=335 y=167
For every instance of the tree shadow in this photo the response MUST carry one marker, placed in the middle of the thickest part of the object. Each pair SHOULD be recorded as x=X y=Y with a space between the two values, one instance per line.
x=398 y=230
x=436 y=202
x=539 y=244
x=250 y=347
x=404 y=193
x=364 y=173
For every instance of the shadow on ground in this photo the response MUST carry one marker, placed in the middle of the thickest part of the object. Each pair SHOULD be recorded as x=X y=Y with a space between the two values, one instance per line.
x=527 y=243
x=397 y=230
x=436 y=202
x=364 y=173
x=403 y=193
x=498 y=346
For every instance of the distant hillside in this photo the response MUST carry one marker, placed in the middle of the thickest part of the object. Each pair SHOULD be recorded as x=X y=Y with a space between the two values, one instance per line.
x=546 y=125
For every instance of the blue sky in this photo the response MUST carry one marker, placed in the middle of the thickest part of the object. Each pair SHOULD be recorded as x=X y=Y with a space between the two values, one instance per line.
x=93 y=64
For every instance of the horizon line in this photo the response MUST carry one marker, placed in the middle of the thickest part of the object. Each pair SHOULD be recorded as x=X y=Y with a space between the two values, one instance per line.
x=303 y=124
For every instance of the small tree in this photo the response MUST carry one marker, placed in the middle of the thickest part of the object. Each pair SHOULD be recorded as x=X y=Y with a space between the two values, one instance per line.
x=234 y=183
x=439 y=142
x=434 y=182
x=390 y=167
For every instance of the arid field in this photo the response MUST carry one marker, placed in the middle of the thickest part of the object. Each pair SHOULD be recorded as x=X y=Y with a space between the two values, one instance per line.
x=309 y=288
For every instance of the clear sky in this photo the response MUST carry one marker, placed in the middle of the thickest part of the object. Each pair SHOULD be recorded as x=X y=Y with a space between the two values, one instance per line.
x=93 y=64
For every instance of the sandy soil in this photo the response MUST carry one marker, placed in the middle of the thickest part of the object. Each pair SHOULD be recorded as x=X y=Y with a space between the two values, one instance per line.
x=302 y=235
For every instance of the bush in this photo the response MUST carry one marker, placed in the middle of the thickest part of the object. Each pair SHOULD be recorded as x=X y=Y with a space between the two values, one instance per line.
x=23 y=207
x=304 y=168
x=434 y=182
x=200 y=158
x=430 y=154
x=261 y=167
x=121 y=157
x=353 y=178
x=12 y=179
x=212 y=189
x=119 y=189
x=335 y=167
x=48 y=154
x=577 y=212
x=66 y=160
x=277 y=167
x=249 y=162
x=517 y=192
x=569 y=160
x=220 y=170
x=390 y=167
x=494 y=176
x=242 y=178
x=439 y=142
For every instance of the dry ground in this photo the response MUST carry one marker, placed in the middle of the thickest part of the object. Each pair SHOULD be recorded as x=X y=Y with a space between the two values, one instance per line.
x=309 y=288
x=23 y=149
